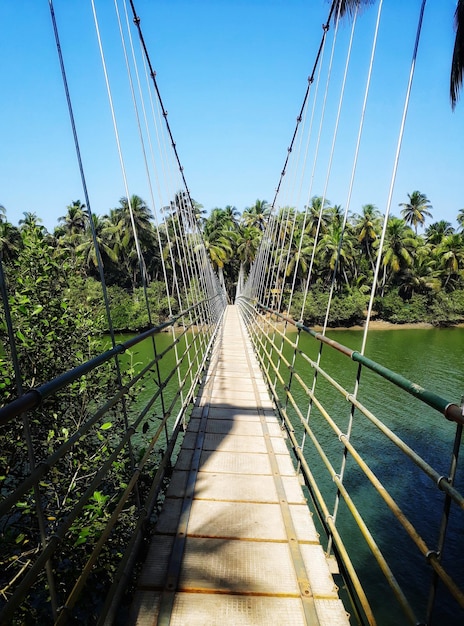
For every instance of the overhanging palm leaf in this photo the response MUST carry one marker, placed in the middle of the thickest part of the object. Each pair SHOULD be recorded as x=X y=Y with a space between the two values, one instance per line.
x=457 y=63
x=342 y=7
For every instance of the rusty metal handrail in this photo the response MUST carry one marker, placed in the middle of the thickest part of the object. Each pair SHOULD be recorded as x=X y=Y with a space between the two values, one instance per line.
x=194 y=356
x=279 y=369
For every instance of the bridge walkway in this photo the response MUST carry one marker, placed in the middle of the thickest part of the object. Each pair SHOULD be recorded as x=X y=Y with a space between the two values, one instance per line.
x=235 y=542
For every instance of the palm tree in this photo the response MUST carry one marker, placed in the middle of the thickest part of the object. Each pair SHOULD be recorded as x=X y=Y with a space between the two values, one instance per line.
x=299 y=256
x=335 y=214
x=133 y=213
x=460 y=219
x=347 y=7
x=451 y=257
x=30 y=221
x=421 y=275
x=104 y=231
x=335 y=253
x=416 y=210
x=231 y=216
x=366 y=228
x=74 y=220
x=142 y=220
x=220 y=251
x=220 y=237
x=248 y=241
x=457 y=62
x=257 y=215
x=435 y=232
x=217 y=222
x=398 y=248
x=342 y=7
x=187 y=211
x=315 y=215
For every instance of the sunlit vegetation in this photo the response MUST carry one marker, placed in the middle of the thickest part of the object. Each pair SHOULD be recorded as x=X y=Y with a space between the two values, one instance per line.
x=420 y=277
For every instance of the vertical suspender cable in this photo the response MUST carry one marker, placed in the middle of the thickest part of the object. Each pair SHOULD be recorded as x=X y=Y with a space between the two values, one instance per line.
x=140 y=257
x=393 y=177
x=353 y=172
x=91 y=222
x=325 y=27
x=82 y=174
x=316 y=155
x=165 y=115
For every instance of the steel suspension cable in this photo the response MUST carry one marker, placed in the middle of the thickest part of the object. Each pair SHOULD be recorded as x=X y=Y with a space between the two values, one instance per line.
x=316 y=156
x=329 y=166
x=307 y=206
x=356 y=153
x=140 y=258
x=325 y=28
x=329 y=72
x=134 y=229
x=379 y=257
x=341 y=472
x=165 y=114
x=153 y=161
x=377 y=271
x=89 y=211
x=393 y=176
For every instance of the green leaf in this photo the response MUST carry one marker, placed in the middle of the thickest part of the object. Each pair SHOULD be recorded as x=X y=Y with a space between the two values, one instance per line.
x=84 y=533
x=106 y=425
x=20 y=336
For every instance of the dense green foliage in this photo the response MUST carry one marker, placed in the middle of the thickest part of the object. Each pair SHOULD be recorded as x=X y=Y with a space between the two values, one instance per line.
x=54 y=333
x=420 y=279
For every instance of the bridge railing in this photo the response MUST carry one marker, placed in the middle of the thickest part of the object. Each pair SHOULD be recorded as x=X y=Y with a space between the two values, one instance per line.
x=383 y=509
x=74 y=509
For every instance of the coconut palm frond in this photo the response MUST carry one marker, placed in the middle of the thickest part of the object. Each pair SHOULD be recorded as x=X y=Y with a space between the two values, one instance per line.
x=348 y=7
x=457 y=63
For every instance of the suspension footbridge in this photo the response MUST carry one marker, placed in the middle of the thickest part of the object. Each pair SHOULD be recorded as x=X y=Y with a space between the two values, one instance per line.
x=222 y=477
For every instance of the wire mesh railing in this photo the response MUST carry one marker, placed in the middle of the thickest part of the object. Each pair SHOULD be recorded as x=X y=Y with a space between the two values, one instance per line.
x=383 y=509
x=77 y=500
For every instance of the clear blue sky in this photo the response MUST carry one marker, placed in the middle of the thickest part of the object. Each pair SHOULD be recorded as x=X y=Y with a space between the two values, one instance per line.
x=232 y=74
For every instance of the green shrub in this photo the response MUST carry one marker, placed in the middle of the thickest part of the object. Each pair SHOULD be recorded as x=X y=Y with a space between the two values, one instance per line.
x=447 y=308
x=345 y=310
x=392 y=308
